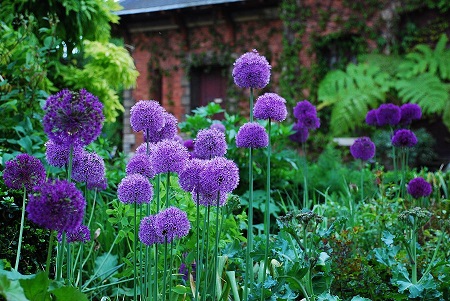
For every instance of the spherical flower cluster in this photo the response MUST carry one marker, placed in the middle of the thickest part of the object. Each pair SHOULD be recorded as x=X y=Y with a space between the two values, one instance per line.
x=252 y=135
x=135 y=188
x=147 y=231
x=418 y=187
x=89 y=168
x=251 y=70
x=409 y=112
x=23 y=171
x=270 y=106
x=142 y=149
x=58 y=154
x=189 y=178
x=371 y=117
x=140 y=164
x=218 y=126
x=147 y=115
x=168 y=156
x=363 y=148
x=404 y=138
x=209 y=143
x=306 y=115
x=81 y=234
x=388 y=114
x=189 y=144
x=300 y=135
x=209 y=198
x=302 y=108
x=172 y=223
x=168 y=131
x=57 y=205
x=219 y=174
x=178 y=139
x=73 y=117
x=309 y=121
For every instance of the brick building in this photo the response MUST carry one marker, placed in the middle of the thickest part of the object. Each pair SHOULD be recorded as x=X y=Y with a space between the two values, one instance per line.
x=184 y=50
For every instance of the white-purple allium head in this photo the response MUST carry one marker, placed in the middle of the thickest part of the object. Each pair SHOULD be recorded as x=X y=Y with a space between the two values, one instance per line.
x=404 y=138
x=147 y=115
x=371 y=117
x=252 y=135
x=168 y=131
x=209 y=143
x=219 y=174
x=23 y=171
x=168 y=156
x=388 y=114
x=135 y=188
x=172 y=223
x=270 y=106
x=141 y=164
x=81 y=234
x=189 y=177
x=148 y=234
x=363 y=148
x=73 y=117
x=210 y=198
x=251 y=70
x=300 y=135
x=89 y=168
x=410 y=112
x=58 y=154
x=418 y=187
x=218 y=126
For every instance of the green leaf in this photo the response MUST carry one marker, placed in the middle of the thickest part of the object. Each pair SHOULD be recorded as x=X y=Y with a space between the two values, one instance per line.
x=358 y=298
x=327 y=297
x=36 y=288
x=11 y=289
x=387 y=238
x=106 y=265
x=181 y=289
x=68 y=293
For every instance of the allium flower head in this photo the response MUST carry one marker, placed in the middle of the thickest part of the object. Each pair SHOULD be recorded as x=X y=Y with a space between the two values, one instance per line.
x=189 y=144
x=142 y=149
x=168 y=156
x=270 y=106
x=58 y=154
x=168 y=131
x=209 y=143
x=388 y=114
x=209 y=198
x=178 y=138
x=172 y=223
x=252 y=134
x=219 y=174
x=147 y=115
x=300 y=135
x=363 y=148
x=251 y=70
x=73 y=117
x=371 y=117
x=23 y=171
x=89 y=168
x=189 y=178
x=410 y=112
x=404 y=138
x=147 y=231
x=135 y=188
x=418 y=187
x=309 y=121
x=304 y=107
x=80 y=234
x=140 y=163
x=57 y=205
x=218 y=126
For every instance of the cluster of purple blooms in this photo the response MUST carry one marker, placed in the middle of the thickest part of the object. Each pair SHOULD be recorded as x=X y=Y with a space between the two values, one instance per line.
x=363 y=148
x=418 y=187
x=72 y=120
x=307 y=120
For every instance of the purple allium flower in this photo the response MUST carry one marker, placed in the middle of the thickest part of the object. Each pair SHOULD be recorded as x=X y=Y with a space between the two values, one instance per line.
x=388 y=114
x=142 y=149
x=147 y=231
x=168 y=131
x=183 y=270
x=219 y=174
x=410 y=112
x=178 y=138
x=218 y=126
x=418 y=187
x=73 y=117
x=140 y=163
x=57 y=205
x=189 y=144
x=309 y=121
x=23 y=171
x=147 y=115
x=301 y=134
x=363 y=148
x=404 y=138
x=89 y=168
x=209 y=143
x=371 y=117
x=189 y=178
x=58 y=154
x=252 y=134
x=251 y=70
x=168 y=156
x=209 y=198
x=270 y=106
x=135 y=188
x=80 y=234
x=304 y=107
x=172 y=223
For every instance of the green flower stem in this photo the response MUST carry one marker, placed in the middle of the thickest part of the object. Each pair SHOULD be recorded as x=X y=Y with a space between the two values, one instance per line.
x=155 y=282
x=134 y=252
x=165 y=269
x=69 y=263
x=49 y=252
x=305 y=179
x=167 y=190
x=201 y=263
x=216 y=247
x=205 y=283
x=251 y=104
x=198 y=262
x=433 y=258
x=22 y=225
x=248 y=259
x=170 y=270
x=414 y=253
x=403 y=179
x=362 y=181
x=266 y=211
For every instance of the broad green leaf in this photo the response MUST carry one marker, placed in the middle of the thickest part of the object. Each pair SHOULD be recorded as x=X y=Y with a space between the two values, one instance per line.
x=69 y=293
x=11 y=289
x=36 y=288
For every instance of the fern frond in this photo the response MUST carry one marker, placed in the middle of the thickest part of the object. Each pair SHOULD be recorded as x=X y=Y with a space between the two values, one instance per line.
x=386 y=63
x=426 y=90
